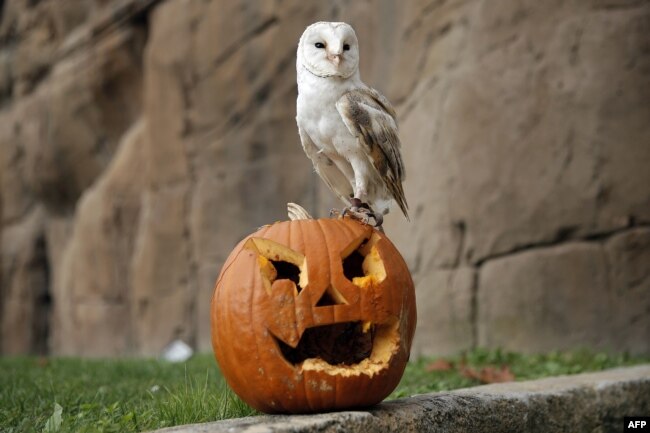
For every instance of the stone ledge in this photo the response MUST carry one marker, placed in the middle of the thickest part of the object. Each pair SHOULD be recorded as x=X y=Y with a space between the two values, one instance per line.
x=591 y=402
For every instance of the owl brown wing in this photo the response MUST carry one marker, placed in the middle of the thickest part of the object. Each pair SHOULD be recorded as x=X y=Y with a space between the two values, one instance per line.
x=370 y=117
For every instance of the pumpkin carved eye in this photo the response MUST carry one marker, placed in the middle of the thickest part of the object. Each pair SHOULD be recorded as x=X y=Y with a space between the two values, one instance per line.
x=353 y=265
x=363 y=266
x=287 y=271
x=278 y=262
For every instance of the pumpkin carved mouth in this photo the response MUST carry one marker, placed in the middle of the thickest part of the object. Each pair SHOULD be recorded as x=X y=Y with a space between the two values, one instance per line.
x=353 y=353
x=340 y=343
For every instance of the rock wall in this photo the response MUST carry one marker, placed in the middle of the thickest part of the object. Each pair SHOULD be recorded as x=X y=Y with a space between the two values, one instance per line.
x=140 y=139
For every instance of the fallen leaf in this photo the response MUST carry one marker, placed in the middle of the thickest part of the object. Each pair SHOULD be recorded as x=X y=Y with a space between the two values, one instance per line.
x=497 y=375
x=468 y=372
x=439 y=365
x=53 y=423
x=489 y=374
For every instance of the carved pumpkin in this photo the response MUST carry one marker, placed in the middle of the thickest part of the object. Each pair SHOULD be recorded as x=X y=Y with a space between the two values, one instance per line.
x=313 y=315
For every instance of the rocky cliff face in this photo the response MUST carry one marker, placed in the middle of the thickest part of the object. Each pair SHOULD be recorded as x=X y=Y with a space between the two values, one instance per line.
x=140 y=139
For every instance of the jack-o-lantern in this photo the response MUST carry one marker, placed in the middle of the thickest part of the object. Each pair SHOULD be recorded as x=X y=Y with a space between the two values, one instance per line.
x=313 y=315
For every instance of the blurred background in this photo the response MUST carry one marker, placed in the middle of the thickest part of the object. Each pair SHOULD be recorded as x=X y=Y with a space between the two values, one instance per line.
x=141 y=139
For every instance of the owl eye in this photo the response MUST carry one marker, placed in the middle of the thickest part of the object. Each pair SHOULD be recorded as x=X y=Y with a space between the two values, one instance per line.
x=319 y=45
x=346 y=47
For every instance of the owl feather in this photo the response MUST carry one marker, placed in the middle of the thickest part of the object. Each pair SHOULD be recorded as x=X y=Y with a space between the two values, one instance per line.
x=372 y=120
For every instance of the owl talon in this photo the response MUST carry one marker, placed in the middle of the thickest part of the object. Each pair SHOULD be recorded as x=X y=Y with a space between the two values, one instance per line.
x=356 y=213
x=335 y=213
x=363 y=213
x=379 y=220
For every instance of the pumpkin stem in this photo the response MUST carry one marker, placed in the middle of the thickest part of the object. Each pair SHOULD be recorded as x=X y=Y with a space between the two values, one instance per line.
x=297 y=212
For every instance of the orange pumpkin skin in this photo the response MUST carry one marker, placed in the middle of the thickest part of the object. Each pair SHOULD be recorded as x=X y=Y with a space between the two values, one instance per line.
x=258 y=316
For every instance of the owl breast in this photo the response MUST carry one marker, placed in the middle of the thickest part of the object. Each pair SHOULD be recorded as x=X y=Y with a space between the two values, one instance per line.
x=318 y=116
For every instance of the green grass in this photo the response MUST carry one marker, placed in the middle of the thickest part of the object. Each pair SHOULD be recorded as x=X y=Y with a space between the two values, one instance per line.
x=112 y=396
x=73 y=395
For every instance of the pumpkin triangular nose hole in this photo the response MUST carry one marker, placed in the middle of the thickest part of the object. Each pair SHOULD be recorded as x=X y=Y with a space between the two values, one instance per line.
x=327 y=299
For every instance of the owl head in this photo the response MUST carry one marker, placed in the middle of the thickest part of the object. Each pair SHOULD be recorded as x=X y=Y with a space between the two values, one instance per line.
x=329 y=50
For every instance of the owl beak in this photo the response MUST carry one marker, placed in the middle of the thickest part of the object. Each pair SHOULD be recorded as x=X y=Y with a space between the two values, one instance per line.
x=334 y=58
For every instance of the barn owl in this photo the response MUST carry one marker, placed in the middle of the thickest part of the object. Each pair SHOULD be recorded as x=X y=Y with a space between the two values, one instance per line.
x=347 y=129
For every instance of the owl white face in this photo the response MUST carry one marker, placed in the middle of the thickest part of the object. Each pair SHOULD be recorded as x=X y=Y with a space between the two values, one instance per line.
x=329 y=49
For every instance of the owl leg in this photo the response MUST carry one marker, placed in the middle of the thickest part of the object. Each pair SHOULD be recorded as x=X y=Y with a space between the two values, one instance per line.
x=363 y=212
x=359 y=207
x=357 y=210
